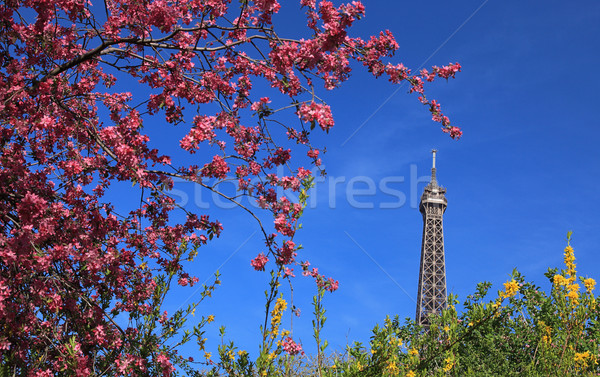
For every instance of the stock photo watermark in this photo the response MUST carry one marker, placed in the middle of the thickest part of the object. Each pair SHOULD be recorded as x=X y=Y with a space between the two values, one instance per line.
x=361 y=192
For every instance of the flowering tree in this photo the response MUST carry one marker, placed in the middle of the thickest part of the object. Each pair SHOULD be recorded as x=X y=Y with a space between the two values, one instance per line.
x=82 y=282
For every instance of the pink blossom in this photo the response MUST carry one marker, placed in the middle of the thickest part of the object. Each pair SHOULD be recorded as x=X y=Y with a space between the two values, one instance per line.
x=286 y=253
x=319 y=113
x=165 y=363
x=283 y=226
x=291 y=347
x=447 y=71
x=308 y=3
x=261 y=104
x=454 y=132
x=4 y=344
x=259 y=262
x=218 y=168
x=289 y=272
x=303 y=173
x=332 y=285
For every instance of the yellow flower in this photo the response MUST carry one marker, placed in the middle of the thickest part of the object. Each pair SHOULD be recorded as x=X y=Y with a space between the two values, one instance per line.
x=548 y=330
x=446 y=328
x=210 y=318
x=274 y=333
x=281 y=304
x=560 y=280
x=570 y=260
x=207 y=355
x=581 y=358
x=589 y=284
x=392 y=368
x=448 y=364
x=569 y=255
x=413 y=352
x=410 y=374
x=277 y=312
x=510 y=289
x=546 y=339
x=573 y=295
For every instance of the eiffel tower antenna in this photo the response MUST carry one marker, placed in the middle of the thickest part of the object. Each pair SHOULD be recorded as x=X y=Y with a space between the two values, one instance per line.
x=433 y=178
x=431 y=296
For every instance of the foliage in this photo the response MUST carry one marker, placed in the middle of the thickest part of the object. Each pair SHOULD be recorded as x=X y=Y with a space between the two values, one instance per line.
x=82 y=279
x=523 y=332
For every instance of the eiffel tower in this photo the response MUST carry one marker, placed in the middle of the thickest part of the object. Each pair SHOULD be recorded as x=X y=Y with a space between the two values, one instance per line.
x=431 y=296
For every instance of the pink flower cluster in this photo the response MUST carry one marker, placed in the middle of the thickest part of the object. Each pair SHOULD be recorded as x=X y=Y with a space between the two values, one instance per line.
x=328 y=283
x=259 y=262
x=291 y=347
x=315 y=112
x=165 y=363
x=218 y=168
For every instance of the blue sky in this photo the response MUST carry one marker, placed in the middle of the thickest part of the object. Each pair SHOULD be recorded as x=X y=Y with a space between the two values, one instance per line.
x=525 y=172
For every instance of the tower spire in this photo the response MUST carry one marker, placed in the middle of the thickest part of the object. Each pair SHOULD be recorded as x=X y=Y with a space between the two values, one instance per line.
x=433 y=177
x=431 y=295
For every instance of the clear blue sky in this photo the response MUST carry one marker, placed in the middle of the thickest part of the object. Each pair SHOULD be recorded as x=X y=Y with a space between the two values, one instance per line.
x=525 y=172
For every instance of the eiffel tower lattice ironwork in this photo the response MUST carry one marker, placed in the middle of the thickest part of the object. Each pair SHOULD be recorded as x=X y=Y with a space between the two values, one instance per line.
x=431 y=296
